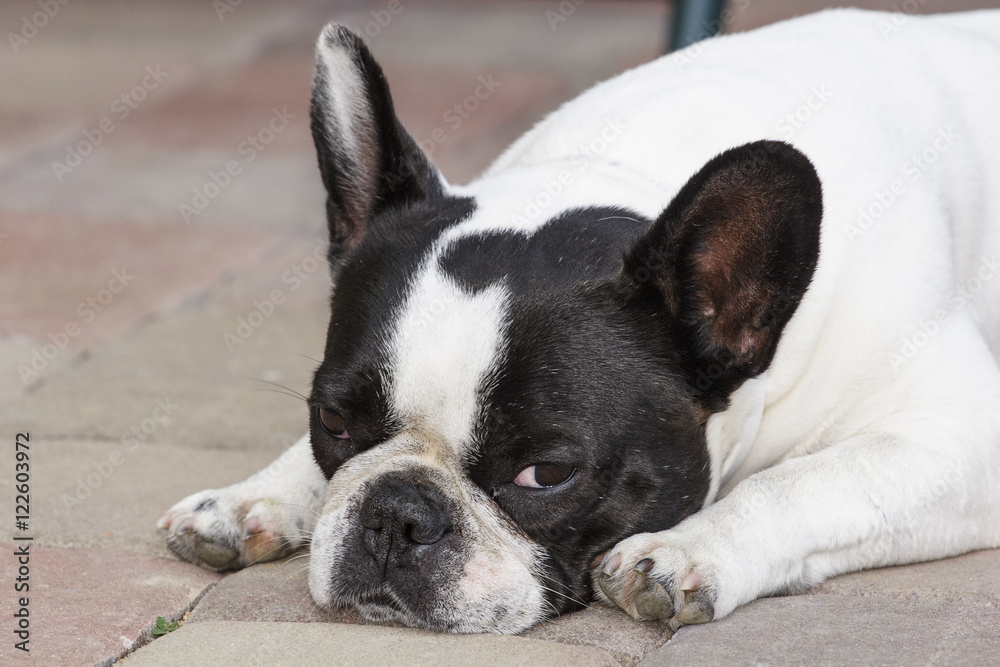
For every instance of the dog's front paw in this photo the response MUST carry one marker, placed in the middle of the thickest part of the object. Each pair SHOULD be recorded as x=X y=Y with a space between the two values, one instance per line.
x=654 y=577
x=228 y=529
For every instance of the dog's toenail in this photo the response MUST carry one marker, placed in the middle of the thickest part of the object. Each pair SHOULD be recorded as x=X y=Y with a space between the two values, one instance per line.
x=644 y=566
x=612 y=565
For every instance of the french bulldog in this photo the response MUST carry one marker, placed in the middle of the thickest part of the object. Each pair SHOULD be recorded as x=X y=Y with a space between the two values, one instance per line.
x=719 y=328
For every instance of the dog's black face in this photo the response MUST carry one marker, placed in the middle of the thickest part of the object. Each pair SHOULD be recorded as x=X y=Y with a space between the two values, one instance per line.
x=498 y=406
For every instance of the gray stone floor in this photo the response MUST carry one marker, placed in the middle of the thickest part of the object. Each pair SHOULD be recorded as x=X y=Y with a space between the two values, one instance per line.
x=114 y=313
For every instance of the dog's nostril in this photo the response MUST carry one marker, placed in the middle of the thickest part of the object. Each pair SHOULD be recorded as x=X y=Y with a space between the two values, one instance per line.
x=428 y=533
x=369 y=541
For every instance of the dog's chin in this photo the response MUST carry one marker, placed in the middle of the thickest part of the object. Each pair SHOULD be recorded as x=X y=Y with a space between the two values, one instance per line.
x=388 y=608
x=507 y=602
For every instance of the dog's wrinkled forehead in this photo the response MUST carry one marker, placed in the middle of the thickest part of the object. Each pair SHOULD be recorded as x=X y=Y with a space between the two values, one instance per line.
x=439 y=295
x=446 y=345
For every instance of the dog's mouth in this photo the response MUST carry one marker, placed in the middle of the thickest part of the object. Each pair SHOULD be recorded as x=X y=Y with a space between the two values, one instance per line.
x=385 y=607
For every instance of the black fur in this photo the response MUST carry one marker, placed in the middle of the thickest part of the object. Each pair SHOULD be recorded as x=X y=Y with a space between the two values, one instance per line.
x=731 y=257
x=575 y=249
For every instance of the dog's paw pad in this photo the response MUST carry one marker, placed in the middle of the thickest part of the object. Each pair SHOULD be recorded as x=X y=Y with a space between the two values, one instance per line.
x=655 y=582
x=653 y=602
x=227 y=530
x=699 y=607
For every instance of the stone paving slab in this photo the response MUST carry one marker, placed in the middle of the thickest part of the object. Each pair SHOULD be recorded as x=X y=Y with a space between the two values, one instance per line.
x=968 y=581
x=76 y=283
x=88 y=605
x=946 y=592
x=279 y=592
x=52 y=91
x=230 y=643
x=276 y=191
x=109 y=494
x=220 y=111
x=220 y=384
x=836 y=630
x=187 y=39
x=13 y=351
x=944 y=612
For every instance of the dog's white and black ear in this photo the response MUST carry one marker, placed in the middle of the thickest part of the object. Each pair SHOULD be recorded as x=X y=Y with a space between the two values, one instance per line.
x=733 y=254
x=368 y=162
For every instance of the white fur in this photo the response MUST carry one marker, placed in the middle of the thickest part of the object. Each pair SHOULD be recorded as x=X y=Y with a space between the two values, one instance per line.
x=349 y=109
x=867 y=453
x=445 y=346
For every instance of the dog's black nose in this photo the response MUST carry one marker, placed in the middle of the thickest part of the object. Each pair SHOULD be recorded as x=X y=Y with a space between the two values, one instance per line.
x=401 y=519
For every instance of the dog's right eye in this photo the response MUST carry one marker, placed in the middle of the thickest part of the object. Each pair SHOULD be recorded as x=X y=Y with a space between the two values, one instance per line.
x=333 y=424
x=544 y=475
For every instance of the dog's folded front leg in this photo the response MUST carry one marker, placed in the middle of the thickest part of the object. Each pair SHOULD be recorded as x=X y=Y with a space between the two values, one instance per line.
x=262 y=518
x=871 y=501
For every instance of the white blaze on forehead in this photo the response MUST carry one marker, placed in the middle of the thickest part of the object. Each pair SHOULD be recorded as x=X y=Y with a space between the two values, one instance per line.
x=446 y=344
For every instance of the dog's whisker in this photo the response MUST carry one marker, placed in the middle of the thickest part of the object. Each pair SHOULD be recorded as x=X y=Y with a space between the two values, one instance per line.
x=617 y=217
x=283 y=393
x=281 y=386
x=569 y=596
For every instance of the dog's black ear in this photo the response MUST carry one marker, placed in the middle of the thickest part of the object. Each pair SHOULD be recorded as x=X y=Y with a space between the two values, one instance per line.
x=732 y=256
x=368 y=162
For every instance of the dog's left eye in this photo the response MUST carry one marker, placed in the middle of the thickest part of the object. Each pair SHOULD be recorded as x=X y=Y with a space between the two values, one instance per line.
x=333 y=424
x=544 y=475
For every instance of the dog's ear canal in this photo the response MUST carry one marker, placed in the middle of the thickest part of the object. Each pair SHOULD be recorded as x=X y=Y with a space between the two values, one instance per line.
x=731 y=257
x=368 y=162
